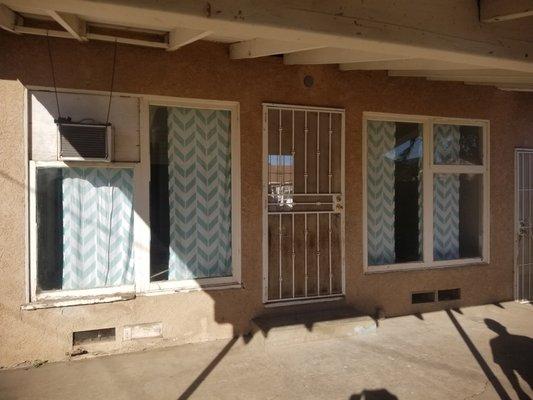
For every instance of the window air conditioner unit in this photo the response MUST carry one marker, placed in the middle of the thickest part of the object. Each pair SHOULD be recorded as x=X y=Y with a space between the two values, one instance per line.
x=84 y=142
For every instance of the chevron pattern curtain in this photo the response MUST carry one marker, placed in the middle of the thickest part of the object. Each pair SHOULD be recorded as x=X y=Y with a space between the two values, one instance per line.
x=380 y=192
x=97 y=227
x=199 y=167
x=446 y=194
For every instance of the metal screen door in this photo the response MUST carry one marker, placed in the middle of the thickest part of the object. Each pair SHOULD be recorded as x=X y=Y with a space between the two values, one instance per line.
x=303 y=222
x=524 y=224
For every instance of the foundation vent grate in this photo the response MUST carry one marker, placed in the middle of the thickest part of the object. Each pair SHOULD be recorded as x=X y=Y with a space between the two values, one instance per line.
x=422 y=297
x=93 y=336
x=449 y=294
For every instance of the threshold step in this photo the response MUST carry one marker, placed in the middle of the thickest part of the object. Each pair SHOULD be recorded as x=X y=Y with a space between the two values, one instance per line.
x=298 y=327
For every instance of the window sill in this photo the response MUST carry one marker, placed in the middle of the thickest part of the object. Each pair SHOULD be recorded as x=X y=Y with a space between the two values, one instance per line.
x=380 y=269
x=77 y=301
x=161 y=290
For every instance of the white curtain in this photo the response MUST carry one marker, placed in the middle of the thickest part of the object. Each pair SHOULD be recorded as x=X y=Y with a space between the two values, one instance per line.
x=199 y=170
x=446 y=194
x=97 y=227
x=381 y=142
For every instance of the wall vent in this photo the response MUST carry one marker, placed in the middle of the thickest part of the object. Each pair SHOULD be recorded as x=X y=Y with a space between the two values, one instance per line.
x=93 y=336
x=449 y=294
x=422 y=297
x=143 y=331
x=84 y=142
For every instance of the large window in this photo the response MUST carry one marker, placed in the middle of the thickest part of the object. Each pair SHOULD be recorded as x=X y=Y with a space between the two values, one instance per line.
x=166 y=223
x=190 y=194
x=84 y=228
x=194 y=195
x=426 y=188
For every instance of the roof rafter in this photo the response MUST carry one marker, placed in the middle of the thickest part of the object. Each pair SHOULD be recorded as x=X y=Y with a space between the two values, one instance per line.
x=266 y=47
x=180 y=37
x=71 y=23
x=8 y=18
x=505 y=10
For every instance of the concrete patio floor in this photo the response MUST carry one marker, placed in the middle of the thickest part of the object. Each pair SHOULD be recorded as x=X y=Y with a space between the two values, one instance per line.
x=458 y=354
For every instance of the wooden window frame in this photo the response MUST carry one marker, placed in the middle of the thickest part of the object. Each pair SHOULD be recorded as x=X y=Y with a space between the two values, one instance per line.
x=429 y=170
x=141 y=200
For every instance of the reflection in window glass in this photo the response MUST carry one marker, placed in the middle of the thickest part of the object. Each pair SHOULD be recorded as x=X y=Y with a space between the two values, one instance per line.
x=457 y=216
x=281 y=179
x=394 y=192
x=457 y=144
x=190 y=193
x=84 y=228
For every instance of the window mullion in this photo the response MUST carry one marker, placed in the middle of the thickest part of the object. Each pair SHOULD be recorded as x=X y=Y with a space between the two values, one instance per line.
x=141 y=198
x=427 y=181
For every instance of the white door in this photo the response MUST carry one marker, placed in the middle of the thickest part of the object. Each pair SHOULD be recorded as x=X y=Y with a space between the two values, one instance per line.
x=303 y=198
x=524 y=224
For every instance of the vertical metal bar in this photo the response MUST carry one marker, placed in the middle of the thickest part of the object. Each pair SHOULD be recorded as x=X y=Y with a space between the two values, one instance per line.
x=329 y=155
x=305 y=252
x=318 y=254
x=522 y=214
x=318 y=152
x=293 y=256
x=530 y=224
x=306 y=130
x=293 y=152
x=318 y=215
x=329 y=215
x=280 y=130
x=306 y=233
x=279 y=249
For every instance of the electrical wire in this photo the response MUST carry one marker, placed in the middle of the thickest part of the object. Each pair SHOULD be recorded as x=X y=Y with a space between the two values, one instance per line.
x=53 y=74
x=112 y=82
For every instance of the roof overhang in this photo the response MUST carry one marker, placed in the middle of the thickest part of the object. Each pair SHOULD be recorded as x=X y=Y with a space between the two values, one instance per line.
x=486 y=42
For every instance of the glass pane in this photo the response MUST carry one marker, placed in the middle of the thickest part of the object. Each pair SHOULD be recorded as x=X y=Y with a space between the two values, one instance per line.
x=457 y=144
x=84 y=228
x=190 y=193
x=457 y=216
x=394 y=192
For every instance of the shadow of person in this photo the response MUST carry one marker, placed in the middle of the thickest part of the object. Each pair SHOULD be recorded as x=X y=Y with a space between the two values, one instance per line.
x=379 y=394
x=513 y=353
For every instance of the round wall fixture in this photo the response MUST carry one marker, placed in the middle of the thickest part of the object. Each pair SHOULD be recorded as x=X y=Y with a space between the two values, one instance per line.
x=308 y=81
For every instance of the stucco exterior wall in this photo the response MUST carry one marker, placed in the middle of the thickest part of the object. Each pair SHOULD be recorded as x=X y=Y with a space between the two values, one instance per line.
x=204 y=70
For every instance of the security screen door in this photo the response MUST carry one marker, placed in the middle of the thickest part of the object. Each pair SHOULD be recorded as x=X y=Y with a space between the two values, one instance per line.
x=303 y=226
x=524 y=224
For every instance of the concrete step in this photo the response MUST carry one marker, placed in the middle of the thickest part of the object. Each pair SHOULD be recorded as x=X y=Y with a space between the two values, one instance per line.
x=297 y=327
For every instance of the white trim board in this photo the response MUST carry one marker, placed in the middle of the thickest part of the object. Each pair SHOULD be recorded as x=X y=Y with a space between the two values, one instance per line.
x=429 y=169
x=142 y=286
x=265 y=213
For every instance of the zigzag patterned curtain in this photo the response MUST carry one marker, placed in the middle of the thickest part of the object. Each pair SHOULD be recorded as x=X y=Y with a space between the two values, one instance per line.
x=446 y=194
x=380 y=192
x=199 y=168
x=97 y=227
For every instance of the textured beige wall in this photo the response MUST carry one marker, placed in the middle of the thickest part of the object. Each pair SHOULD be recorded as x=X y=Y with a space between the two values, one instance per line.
x=203 y=70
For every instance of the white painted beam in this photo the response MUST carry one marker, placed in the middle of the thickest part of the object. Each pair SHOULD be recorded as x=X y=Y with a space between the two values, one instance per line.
x=484 y=79
x=93 y=36
x=445 y=30
x=8 y=18
x=485 y=76
x=516 y=87
x=71 y=23
x=412 y=64
x=504 y=10
x=332 y=55
x=180 y=37
x=265 y=47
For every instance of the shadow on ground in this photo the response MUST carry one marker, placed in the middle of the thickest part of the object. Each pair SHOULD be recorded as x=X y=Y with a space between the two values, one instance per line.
x=379 y=394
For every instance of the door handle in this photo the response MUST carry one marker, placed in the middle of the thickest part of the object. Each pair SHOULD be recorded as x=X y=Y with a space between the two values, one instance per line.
x=522 y=229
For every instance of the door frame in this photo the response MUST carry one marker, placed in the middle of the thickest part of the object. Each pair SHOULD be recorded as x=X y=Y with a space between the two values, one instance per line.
x=264 y=200
x=517 y=151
